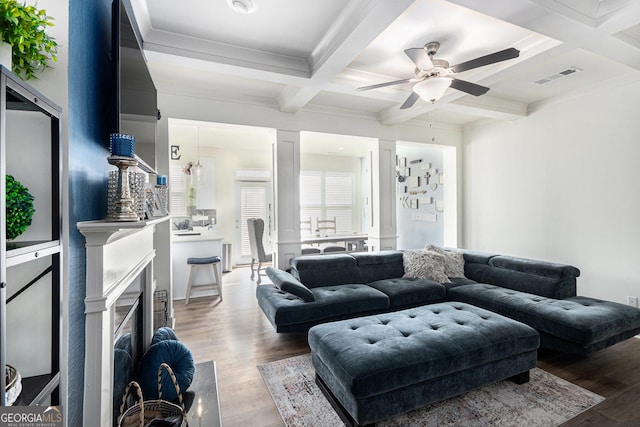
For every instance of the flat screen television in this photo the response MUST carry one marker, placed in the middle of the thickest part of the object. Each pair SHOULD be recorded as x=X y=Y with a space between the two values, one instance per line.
x=135 y=100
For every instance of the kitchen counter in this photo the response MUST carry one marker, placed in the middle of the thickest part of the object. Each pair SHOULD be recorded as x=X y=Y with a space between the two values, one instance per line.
x=187 y=244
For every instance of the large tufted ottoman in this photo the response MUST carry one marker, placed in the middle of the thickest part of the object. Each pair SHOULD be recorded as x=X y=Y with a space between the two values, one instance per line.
x=377 y=366
x=578 y=325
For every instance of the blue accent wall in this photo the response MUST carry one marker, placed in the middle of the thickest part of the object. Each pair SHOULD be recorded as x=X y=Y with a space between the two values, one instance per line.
x=89 y=117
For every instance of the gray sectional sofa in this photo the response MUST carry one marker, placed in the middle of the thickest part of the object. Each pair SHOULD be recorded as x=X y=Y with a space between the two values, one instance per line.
x=326 y=288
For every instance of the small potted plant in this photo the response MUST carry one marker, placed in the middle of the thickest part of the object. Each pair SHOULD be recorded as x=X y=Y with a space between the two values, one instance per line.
x=19 y=209
x=23 y=27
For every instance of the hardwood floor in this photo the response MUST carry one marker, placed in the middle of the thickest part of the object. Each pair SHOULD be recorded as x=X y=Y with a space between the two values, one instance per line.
x=236 y=334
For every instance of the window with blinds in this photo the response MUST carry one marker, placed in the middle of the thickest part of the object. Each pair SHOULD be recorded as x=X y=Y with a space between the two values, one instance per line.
x=177 y=190
x=326 y=195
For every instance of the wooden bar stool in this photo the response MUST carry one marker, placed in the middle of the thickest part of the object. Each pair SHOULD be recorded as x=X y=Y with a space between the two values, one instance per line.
x=214 y=262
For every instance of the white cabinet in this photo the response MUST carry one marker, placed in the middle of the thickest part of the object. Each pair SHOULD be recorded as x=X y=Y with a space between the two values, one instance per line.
x=199 y=246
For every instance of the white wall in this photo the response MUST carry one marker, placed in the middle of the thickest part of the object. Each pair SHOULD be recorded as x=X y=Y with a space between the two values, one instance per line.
x=562 y=185
x=413 y=233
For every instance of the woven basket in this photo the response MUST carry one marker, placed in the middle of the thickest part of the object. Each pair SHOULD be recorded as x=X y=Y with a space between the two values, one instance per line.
x=14 y=384
x=143 y=412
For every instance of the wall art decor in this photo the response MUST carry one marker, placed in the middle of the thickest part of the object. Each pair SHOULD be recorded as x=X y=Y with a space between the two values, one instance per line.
x=439 y=205
x=426 y=177
x=413 y=181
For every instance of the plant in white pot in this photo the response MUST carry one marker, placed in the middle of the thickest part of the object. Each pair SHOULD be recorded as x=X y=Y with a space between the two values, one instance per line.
x=23 y=27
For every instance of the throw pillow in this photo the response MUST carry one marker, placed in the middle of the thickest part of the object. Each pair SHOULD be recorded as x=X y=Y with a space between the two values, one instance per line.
x=162 y=334
x=422 y=264
x=180 y=360
x=287 y=283
x=453 y=261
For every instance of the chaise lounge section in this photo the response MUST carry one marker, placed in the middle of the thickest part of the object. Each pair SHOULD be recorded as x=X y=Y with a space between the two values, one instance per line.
x=546 y=301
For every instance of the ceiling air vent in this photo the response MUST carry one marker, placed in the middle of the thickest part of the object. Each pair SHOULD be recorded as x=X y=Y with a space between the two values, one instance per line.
x=556 y=76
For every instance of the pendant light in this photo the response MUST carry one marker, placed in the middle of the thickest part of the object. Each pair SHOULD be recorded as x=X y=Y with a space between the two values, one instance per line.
x=197 y=169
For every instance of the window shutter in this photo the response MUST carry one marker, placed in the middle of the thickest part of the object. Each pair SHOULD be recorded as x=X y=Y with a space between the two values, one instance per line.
x=177 y=190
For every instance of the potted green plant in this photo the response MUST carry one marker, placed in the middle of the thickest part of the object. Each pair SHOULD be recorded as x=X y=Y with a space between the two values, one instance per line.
x=23 y=27
x=19 y=209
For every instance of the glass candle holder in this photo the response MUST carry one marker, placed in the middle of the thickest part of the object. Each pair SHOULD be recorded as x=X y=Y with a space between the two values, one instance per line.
x=121 y=144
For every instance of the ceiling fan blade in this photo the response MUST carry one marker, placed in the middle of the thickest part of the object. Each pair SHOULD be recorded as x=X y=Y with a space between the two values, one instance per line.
x=492 y=58
x=468 y=87
x=408 y=103
x=395 y=82
x=419 y=57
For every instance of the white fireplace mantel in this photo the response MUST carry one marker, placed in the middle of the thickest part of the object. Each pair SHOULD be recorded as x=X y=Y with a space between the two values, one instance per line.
x=117 y=254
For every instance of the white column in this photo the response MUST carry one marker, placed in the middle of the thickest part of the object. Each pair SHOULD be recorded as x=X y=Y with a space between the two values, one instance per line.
x=286 y=158
x=163 y=268
x=382 y=206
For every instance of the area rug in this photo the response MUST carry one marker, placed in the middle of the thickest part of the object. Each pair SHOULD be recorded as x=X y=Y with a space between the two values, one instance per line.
x=545 y=400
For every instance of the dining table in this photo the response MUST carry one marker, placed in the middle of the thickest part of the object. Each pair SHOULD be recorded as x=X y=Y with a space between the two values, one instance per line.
x=354 y=242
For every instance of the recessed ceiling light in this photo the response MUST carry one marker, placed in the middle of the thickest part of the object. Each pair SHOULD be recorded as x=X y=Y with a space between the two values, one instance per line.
x=243 y=6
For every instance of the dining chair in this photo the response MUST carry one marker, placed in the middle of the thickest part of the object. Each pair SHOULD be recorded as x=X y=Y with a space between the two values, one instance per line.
x=305 y=228
x=255 y=228
x=328 y=227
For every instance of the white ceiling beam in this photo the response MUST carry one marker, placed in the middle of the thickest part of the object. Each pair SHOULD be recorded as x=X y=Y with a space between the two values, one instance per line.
x=551 y=23
x=488 y=107
x=357 y=26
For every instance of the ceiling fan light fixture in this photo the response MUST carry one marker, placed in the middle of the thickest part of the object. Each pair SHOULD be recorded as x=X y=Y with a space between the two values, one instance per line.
x=432 y=89
x=243 y=6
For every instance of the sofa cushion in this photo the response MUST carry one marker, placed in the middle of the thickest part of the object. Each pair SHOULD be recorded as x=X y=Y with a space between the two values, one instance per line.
x=550 y=287
x=288 y=283
x=530 y=266
x=410 y=292
x=453 y=260
x=422 y=264
x=331 y=303
x=326 y=270
x=379 y=265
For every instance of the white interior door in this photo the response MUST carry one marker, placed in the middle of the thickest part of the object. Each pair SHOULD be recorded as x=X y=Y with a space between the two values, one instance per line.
x=254 y=200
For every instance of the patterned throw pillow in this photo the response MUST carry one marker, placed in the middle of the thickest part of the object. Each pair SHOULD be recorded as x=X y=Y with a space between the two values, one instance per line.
x=422 y=264
x=453 y=261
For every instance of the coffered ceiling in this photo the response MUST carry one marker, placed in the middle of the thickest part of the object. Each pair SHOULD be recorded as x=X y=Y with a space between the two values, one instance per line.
x=311 y=55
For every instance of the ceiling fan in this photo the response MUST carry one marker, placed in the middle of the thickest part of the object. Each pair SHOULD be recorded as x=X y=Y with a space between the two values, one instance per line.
x=433 y=76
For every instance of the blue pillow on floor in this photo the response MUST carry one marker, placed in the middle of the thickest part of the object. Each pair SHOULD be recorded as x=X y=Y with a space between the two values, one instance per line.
x=162 y=334
x=178 y=357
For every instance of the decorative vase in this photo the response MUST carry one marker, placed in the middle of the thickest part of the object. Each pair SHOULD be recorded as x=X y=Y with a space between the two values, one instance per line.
x=5 y=55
